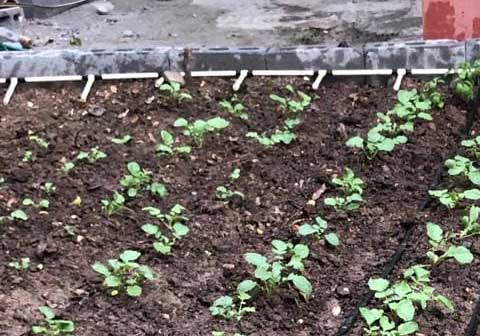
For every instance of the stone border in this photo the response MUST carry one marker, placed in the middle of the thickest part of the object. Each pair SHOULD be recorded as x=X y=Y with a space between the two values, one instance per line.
x=408 y=55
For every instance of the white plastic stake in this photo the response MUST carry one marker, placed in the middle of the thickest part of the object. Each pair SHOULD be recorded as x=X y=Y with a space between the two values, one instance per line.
x=3 y=80
x=227 y=73
x=159 y=82
x=240 y=79
x=87 y=88
x=432 y=71
x=10 y=91
x=43 y=79
x=398 y=82
x=283 y=72
x=363 y=72
x=320 y=76
x=133 y=75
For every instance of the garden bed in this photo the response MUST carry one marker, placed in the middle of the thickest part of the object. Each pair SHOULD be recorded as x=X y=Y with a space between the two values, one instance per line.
x=65 y=240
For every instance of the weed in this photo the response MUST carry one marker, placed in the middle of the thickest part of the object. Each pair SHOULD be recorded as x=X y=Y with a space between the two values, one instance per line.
x=124 y=274
x=53 y=326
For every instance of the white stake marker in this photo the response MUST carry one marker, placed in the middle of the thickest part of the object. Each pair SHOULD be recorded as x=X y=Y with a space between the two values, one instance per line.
x=10 y=91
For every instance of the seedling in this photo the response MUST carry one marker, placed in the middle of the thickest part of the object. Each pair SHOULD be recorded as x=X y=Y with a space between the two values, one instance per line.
x=293 y=105
x=91 y=156
x=224 y=193
x=411 y=106
x=136 y=180
x=52 y=325
x=42 y=143
x=351 y=188
x=464 y=82
x=18 y=215
x=115 y=205
x=285 y=136
x=234 y=308
x=470 y=224
x=167 y=146
x=48 y=188
x=318 y=229
x=174 y=90
x=451 y=198
x=124 y=274
x=462 y=165
x=123 y=140
x=402 y=299
x=199 y=128
x=235 y=175
x=67 y=167
x=473 y=147
x=27 y=156
x=158 y=189
x=42 y=204
x=442 y=247
x=174 y=216
x=431 y=93
x=376 y=143
x=272 y=274
x=235 y=107
x=22 y=264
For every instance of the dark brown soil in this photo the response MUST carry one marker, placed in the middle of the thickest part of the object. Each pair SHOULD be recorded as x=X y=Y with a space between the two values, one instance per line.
x=208 y=263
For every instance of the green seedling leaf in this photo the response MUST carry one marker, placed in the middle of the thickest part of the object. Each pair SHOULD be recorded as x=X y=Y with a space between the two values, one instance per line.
x=461 y=254
x=130 y=255
x=332 y=239
x=378 y=285
x=407 y=328
x=301 y=283
x=101 y=268
x=123 y=140
x=47 y=312
x=134 y=291
x=371 y=315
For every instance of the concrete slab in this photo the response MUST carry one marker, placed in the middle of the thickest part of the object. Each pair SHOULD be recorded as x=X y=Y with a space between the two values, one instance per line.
x=226 y=23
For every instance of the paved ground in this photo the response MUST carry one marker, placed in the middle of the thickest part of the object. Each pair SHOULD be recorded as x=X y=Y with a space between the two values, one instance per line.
x=230 y=23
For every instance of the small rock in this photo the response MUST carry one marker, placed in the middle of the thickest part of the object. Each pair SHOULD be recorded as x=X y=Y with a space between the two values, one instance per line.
x=166 y=316
x=96 y=111
x=174 y=76
x=228 y=266
x=336 y=310
x=343 y=291
x=103 y=7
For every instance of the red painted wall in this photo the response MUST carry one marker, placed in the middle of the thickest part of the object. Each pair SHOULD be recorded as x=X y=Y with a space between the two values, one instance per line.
x=452 y=19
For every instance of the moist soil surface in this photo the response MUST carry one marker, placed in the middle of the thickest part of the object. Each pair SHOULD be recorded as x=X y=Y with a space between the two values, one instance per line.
x=65 y=240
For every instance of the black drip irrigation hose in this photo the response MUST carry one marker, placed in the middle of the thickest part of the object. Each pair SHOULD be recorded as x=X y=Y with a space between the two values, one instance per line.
x=350 y=320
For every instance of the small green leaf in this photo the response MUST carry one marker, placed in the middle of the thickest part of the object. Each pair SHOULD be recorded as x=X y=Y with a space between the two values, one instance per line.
x=19 y=214
x=355 y=142
x=150 y=229
x=434 y=232
x=405 y=310
x=113 y=281
x=101 y=268
x=130 y=255
x=134 y=291
x=306 y=230
x=180 y=229
x=378 y=285
x=301 y=283
x=47 y=312
x=371 y=315
x=123 y=140
x=180 y=122
x=332 y=239
x=461 y=254
x=472 y=194
x=446 y=302
x=246 y=286
x=407 y=328
x=255 y=259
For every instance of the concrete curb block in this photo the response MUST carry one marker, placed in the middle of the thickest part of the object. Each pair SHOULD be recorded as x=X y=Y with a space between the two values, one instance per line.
x=315 y=57
x=415 y=54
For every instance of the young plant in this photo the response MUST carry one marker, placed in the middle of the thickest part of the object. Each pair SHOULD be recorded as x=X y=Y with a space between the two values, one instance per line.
x=351 y=188
x=235 y=175
x=284 y=136
x=174 y=216
x=464 y=166
x=136 y=180
x=473 y=147
x=52 y=325
x=375 y=143
x=174 y=90
x=163 y=244
x=67 y=167
x=223 y=193
x=22 y=264
x=167 y=146
x=18 y=215
x=431 y=93
x=115 y=205
x=48 y=188
x=27 y=156
x=91 y=156
x=294 y=105
x=235 y=308
x=379 y=324
x=272 y=274
x=442 y=247
x=451 y=198
x=235 y=107
x=124 y=274
x=464 y=82
x=318 y=230
x=42 y=143
x=42 y=204
x=470 y=224
x=199 y=128
x=123 y=140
